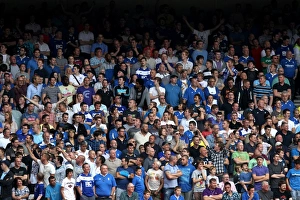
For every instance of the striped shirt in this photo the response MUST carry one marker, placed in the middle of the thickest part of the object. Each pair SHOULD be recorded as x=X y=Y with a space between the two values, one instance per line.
x=260 y=90
x=86 y=182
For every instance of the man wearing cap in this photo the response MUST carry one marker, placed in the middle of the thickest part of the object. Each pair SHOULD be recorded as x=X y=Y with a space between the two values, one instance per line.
x=6 y=180
x=173 y=92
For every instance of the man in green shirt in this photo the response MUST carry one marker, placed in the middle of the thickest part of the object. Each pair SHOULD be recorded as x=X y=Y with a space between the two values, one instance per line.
x=239 y=157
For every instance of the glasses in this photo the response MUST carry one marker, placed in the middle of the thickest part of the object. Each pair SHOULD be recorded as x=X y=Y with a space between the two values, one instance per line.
x=161 y=98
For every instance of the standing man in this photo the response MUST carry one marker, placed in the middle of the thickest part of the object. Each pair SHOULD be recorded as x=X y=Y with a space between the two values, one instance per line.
x=239 y=157
x=154 y=181
x=171 y=174
x=185 y=181
x=97 y=60
x=173 y=92
x=277 y=173
x=99 y=44
x=105 y=184
x=85 y=184
x=87 y=91
x=260 y=173
x=293 y=180
x=123 y=174
x=142 y=136
x=6 y=180
x=53 y=189
x=86 y=39
x=290 y=70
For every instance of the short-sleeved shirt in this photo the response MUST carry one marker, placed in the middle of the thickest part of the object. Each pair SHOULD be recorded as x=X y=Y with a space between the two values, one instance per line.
x=53 y=192
x=294 y=178
x=122 y=183
x=104 y=184
x=86 y=182
x=52 y=92
x=259 y=171
x=199 y=186
x=47 y=170
x=68 y=185
x=170 y=183
x=282 y=196
x=154 y=177
x=208 y=192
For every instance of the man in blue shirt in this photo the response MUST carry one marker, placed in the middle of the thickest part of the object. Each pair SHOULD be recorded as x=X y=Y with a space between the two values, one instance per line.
x=185 y=181
x=105 y=184
x=124 y=173
x=99 y=44
x=190 y=92
x=293 y=180
x=52 y=67
x=53 y=189
x=173 y=92
x=250 y=194
x=282 y=50
x=32 y=64
x=290 y=70
x=85 y=183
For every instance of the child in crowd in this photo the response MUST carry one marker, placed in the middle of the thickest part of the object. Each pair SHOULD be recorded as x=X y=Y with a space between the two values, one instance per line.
x=147 y=196
x=177 y=194
x=138 y=181
x=245 y=177
x=236 y=178
x=266 y=146
x=212 y=174
x=39 y=190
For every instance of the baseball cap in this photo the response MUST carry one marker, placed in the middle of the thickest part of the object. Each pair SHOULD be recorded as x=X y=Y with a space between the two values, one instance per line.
x=6 y=162
x=68 y=144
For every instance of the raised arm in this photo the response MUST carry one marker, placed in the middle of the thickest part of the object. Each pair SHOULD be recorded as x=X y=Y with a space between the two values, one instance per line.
x=31 y=153
x=187 y=23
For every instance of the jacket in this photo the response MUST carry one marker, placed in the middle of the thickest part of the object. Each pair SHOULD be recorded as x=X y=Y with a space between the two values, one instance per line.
x=6 y=184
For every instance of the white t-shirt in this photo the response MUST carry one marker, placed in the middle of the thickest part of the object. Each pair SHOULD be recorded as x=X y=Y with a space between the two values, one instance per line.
x=291 y=124
x=47 y=170
x=154 y=92
x=73 y=80
x=85 y=154
x=85 y=36
x=141 y=139
x=4 y=142
x=68 y=185
x=203 y=35
x=154 y=178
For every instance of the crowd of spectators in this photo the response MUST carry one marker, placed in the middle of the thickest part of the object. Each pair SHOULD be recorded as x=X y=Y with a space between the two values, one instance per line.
x=138 y=107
